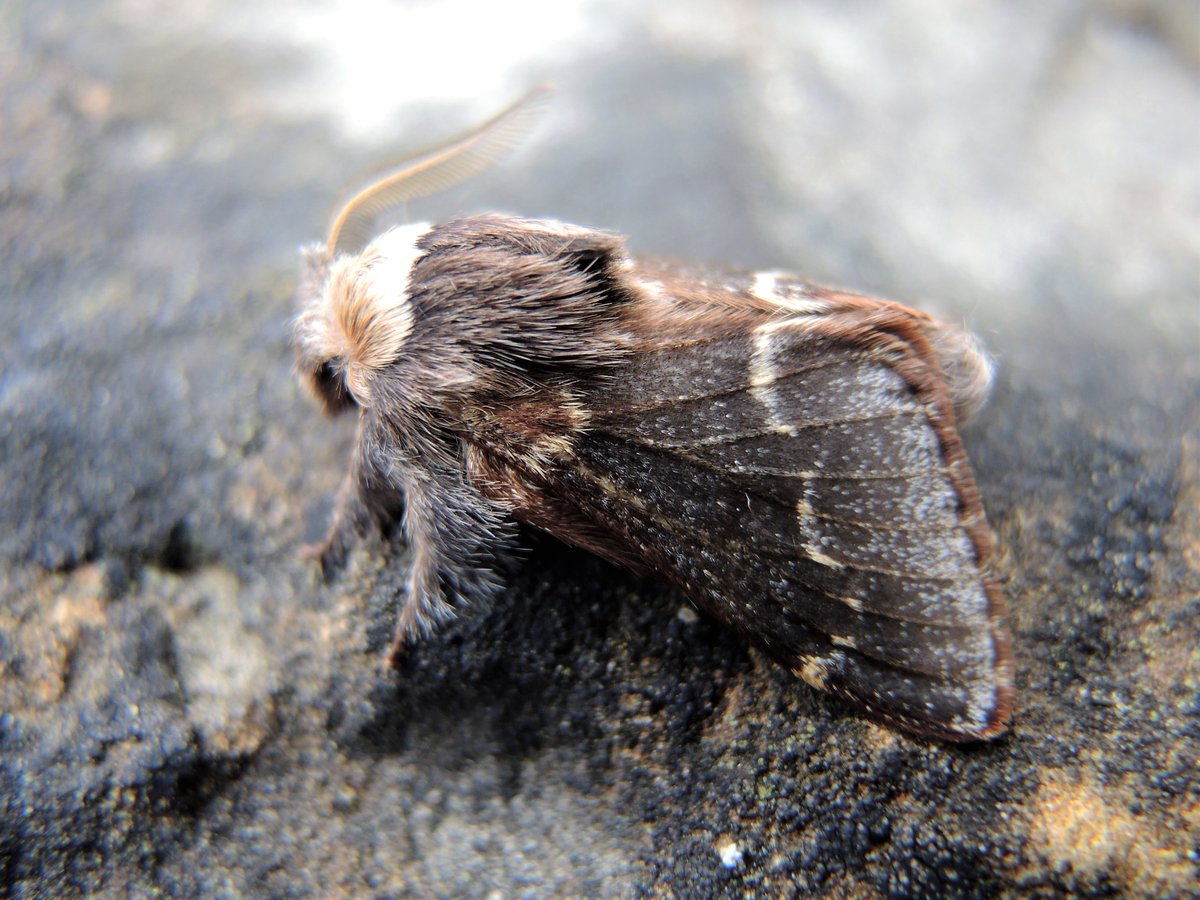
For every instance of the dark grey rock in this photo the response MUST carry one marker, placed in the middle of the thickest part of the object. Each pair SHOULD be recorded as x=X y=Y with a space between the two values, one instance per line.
x=185 y=707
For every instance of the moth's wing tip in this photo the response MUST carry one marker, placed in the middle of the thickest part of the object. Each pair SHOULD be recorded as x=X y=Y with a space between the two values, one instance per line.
x=997 y=720
x=1000 y=717
x=997 y=724
x=1003 y=672
x=979 y=709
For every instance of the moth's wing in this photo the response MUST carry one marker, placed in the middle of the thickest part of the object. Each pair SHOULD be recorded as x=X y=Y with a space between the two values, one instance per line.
x=788 y=456
x=804 y=480
x=801 y=478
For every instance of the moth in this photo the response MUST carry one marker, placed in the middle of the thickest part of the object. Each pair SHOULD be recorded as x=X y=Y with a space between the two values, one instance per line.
x=785 y=454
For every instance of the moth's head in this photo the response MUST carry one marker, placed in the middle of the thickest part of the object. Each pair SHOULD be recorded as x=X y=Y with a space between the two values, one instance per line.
x=355 y=316
x=355 y=311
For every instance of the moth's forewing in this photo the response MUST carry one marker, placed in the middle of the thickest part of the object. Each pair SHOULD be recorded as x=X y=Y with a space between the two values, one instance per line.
x=789 y=458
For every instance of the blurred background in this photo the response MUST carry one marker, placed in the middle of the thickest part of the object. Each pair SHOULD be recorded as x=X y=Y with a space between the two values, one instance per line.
x=964 y=150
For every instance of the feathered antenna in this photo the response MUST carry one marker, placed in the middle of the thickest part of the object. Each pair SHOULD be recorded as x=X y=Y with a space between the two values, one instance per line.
x=435 y=170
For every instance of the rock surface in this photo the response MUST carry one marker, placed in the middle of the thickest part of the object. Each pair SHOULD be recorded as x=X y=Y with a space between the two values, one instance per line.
x=185 y=707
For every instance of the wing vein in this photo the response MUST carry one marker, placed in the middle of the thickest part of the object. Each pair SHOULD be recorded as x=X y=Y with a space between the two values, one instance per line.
x=656 y=405
x=725 y=440
x=750 y=469
x=672 y=526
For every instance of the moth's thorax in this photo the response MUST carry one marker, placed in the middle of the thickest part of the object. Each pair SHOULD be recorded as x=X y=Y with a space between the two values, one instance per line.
x=361 y=317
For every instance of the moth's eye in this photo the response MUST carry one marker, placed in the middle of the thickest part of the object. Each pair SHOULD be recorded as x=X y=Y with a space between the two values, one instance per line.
x=327 y=376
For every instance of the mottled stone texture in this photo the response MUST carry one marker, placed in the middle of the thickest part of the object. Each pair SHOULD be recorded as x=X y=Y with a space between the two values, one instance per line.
x=184 y=706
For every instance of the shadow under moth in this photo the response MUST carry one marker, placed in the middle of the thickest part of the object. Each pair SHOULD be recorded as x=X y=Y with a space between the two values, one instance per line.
x=785 y=454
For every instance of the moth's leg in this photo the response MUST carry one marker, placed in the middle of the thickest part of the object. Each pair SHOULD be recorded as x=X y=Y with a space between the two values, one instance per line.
x=454 y=535
x=367 y=502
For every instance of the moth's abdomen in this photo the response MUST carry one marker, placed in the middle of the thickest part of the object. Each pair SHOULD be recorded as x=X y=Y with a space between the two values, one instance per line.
x=966 y=367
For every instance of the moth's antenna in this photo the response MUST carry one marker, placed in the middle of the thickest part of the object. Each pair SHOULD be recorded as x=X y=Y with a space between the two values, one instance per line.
x=435 y=170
